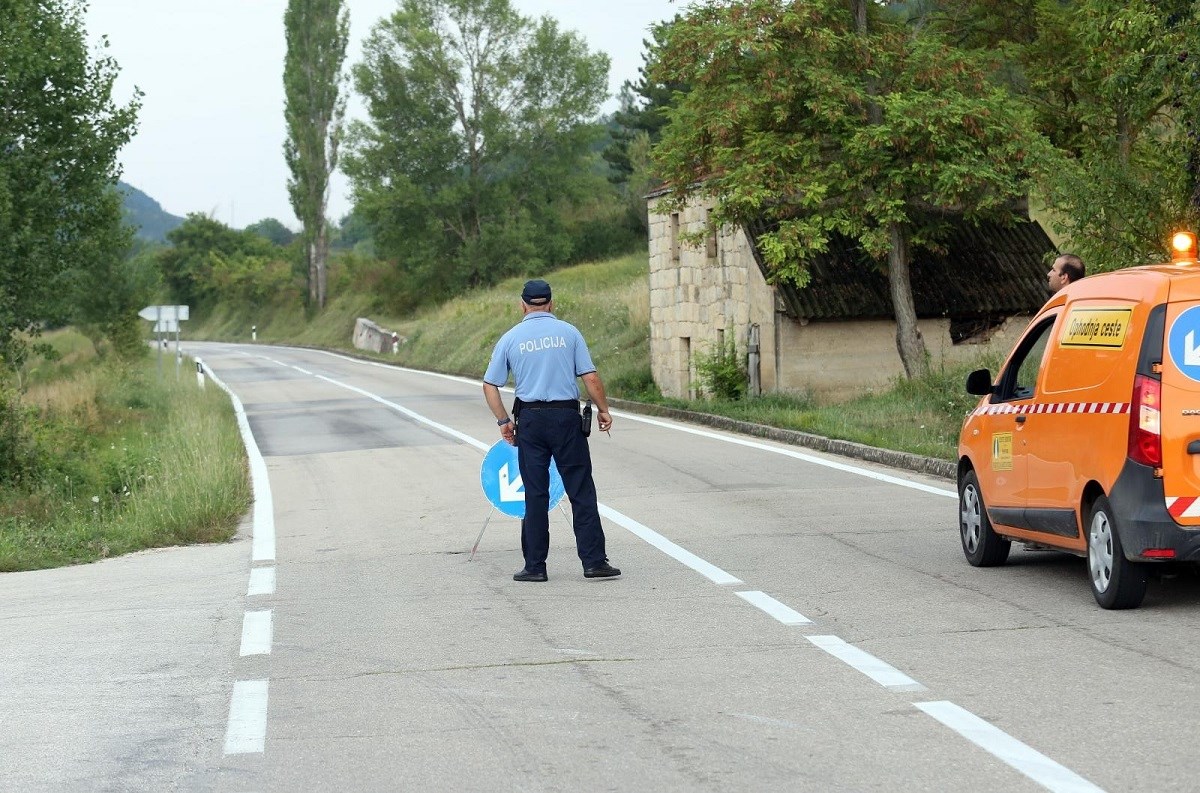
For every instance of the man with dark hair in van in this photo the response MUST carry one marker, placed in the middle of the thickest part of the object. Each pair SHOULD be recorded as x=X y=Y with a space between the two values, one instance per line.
x=1067 y=269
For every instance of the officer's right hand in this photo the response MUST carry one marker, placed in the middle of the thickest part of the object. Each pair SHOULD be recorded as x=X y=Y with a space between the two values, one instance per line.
x=604 y=420
x=508 y=433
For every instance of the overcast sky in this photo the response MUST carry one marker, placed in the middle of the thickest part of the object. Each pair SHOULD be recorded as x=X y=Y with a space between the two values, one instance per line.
x=211 y=128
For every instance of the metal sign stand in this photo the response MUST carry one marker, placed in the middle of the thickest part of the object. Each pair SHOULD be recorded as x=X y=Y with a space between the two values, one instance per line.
x=475 y=547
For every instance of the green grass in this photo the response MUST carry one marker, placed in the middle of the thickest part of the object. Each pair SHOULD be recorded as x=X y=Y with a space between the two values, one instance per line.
x=921 y=416
x=126 y=460
x=609 y=302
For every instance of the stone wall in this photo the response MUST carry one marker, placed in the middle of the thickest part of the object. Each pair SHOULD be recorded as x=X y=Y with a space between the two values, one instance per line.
x=700 y=295
x=836 y=361
x=703 y=294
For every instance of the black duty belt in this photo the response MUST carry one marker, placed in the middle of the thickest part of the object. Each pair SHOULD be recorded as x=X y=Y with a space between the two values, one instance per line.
x=568 y=404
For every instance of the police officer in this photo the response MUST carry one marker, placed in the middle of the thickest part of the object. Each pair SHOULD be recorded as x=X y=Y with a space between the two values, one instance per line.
x=545 y=355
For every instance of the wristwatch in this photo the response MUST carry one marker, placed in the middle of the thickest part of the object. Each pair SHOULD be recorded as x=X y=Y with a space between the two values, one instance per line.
x=503 y=421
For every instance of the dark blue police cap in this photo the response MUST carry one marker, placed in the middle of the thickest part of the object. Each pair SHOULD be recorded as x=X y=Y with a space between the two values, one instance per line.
x=536 y=292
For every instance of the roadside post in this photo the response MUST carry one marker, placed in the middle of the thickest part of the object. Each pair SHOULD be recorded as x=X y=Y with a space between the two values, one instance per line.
x=200 y=373
x=254 y=333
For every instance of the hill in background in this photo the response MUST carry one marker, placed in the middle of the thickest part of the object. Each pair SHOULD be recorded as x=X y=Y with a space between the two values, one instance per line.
x=149 y=220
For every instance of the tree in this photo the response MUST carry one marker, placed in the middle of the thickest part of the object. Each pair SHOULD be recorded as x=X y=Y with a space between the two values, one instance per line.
x=830 y=117
x=1114 y=86
x=271 y=229
x=208 y=262
x=60 y=132
x=1132 y=176
x=642 y=104
x=637 y=126
x=108 y=293
x=353 y=231
x=316 y=32
x=478 y=141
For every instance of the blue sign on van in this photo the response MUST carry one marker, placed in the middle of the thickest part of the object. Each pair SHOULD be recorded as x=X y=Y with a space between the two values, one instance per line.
x=501 y=480
x=1183 y=343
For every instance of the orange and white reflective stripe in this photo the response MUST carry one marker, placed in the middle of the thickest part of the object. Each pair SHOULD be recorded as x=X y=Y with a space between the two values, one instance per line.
x=1054 y=407
x=1183 y=506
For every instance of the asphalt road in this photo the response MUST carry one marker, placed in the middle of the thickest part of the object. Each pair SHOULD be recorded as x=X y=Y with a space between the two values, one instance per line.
x=786 y=620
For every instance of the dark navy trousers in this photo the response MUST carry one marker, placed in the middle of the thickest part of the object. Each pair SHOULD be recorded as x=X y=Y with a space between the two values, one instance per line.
x=542 y=434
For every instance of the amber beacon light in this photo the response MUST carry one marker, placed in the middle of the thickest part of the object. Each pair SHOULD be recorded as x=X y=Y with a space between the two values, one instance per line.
x=1183 y=247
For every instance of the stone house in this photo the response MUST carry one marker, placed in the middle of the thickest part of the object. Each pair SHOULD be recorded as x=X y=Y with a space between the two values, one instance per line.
x=836 y=337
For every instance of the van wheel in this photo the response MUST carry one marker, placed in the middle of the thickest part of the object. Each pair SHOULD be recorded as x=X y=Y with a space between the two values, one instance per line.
x=982 y=546
x=1117 y=583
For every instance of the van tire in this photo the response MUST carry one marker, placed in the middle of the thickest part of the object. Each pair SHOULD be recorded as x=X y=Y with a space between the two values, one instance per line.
x=1117 y=583
x=982 y=546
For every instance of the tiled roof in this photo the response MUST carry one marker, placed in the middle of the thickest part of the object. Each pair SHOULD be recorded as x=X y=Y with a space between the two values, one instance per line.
x=988 y=271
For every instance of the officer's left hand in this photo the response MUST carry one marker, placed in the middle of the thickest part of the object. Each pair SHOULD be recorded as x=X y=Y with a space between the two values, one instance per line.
x=509 y=434
x=604 y=420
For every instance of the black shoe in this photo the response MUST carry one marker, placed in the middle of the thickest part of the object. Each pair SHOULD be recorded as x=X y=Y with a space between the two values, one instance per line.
x=528 y=575
x=602 y=570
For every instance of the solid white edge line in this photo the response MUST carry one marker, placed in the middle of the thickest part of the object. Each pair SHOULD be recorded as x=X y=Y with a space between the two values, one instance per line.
x=256 y=633
x=246 y=731
x=263 y=529
x=262 y=581
x=808 y=458
x=881 y=672
x=994 y=741
x=785 y=614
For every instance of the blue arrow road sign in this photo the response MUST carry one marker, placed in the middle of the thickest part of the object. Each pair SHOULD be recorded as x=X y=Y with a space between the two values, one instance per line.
x=1183 y=343
x=501 y=480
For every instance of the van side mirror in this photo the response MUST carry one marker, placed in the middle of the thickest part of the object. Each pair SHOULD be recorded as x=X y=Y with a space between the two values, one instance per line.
x=979 y=382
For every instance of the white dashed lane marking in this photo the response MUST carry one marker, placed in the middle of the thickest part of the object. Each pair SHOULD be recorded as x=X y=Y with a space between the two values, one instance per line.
x=256 y=633
x=1028 y=761
x=262 y=581
x=882 y=673
x=785 y=614
x=246 y=731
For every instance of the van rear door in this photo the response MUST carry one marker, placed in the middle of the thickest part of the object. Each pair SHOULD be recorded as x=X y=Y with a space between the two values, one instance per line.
x=1180 y=416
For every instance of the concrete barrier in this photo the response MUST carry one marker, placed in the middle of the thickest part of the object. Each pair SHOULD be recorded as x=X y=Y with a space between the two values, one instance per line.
x=369 y=336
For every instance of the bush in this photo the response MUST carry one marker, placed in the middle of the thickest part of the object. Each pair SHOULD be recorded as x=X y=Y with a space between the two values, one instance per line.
x=944 y=388
x=20 y=462
x=722 y=373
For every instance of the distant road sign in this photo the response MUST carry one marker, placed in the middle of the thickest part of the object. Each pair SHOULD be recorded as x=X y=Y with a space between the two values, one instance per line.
x=501 y=480
x=155 y=313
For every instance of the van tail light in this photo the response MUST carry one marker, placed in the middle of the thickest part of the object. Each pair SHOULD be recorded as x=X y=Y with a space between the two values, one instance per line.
x=1158 y=553
x=1145 y=422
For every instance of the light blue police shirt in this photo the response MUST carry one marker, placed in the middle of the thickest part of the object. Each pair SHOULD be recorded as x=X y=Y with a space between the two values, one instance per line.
x=544 y=354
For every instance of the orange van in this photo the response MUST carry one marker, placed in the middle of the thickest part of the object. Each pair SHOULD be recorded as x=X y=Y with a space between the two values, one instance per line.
x=1088 y=440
